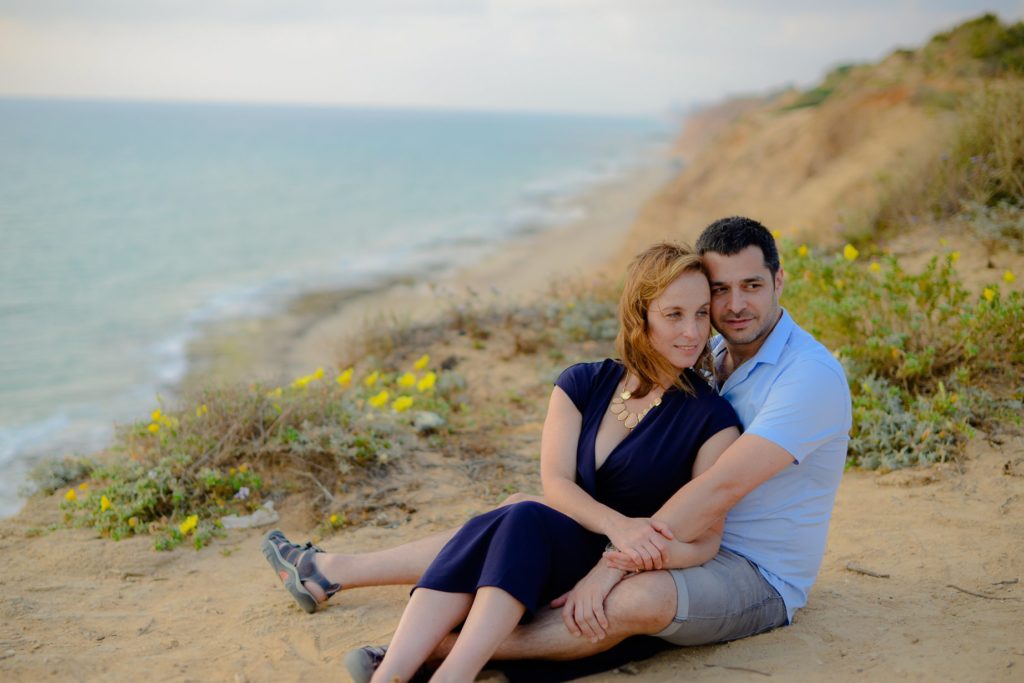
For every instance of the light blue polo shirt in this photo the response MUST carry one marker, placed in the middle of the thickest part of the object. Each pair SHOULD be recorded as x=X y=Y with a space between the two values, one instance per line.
x=794 y=393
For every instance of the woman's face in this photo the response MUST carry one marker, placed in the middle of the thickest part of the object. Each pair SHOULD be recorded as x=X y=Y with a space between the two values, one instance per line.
x=678 y=320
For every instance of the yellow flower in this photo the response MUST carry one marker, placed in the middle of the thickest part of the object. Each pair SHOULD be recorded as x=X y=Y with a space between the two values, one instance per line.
x=153 y=428
x=71 y=495
x=345 y=378
x=133 y=522
x=407 y=380
x=319 y=374
x=202 y=410
x=83 y=486
x=334 y=520
x=988 y=293
x=803 y=250
x=188 y=525
x=231 y=471
x=954 y=256
x=776 y=234
x=850 y=252
x=300 y=382
x=372 y=378
x=426 y=382
x=402 y=403
x=874 y=267
x=1008 y=276
x=155 y=415
x=276 y=393
x=894 y=352
x=380 y=399
x=243 y=469
x=104 y=504
x=423 y=361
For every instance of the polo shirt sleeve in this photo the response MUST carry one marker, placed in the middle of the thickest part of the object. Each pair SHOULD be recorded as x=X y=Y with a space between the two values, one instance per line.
x=807 y=406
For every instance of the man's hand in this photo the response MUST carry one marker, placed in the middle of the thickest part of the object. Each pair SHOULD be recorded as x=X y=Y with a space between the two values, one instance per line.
x=644 y=541
x=583 y=606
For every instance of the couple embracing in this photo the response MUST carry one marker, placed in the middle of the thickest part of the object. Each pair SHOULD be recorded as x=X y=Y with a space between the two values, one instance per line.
x=688 y=487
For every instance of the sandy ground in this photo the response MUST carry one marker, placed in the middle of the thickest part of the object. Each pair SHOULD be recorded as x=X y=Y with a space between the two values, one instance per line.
x=948 y=543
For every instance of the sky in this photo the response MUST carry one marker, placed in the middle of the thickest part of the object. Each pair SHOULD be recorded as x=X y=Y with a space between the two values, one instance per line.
x=593 y=56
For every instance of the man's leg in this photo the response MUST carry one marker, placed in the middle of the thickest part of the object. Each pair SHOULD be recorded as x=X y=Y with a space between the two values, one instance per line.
x=640 y=605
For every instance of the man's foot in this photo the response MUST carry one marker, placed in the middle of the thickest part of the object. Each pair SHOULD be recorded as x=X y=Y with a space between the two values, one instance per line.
x=363 y=661
x=295 y=564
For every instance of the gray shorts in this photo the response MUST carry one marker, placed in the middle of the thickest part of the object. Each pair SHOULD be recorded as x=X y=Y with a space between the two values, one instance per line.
x=724 y=599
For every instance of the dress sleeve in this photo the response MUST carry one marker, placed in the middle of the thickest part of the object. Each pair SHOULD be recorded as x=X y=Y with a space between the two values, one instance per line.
x=720 y=416
x=577 y=381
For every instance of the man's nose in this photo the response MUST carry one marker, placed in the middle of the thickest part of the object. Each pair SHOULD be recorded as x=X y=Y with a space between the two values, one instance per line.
x=735 y=301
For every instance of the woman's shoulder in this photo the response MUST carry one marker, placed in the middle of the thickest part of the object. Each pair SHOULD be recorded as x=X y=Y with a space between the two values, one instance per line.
x=579 y=380
x=594 y=369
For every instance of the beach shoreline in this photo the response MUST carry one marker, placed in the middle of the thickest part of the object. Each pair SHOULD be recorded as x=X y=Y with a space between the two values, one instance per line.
x=312 y=329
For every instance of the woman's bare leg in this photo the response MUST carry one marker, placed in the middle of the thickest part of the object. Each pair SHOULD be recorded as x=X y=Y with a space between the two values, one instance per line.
x=428 y=618
x=398 y=566
x=491 y=619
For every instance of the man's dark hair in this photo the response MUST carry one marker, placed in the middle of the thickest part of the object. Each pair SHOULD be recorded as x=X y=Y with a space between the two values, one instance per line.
x=729 y=236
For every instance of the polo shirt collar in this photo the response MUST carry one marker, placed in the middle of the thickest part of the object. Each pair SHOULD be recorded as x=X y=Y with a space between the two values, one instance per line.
x=770 y=351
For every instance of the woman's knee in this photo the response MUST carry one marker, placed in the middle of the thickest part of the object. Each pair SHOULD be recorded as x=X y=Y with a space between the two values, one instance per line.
x=642 y=604
x=520 y=497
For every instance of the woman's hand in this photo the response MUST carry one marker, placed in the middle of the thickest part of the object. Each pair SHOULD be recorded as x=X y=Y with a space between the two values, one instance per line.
x=583 y=606
x=644 y=541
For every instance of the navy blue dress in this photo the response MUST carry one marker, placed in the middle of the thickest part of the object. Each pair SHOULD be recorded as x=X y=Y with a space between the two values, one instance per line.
x=536 y=553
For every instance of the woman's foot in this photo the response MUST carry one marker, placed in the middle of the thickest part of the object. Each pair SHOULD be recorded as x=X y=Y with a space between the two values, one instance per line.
x=296 y=566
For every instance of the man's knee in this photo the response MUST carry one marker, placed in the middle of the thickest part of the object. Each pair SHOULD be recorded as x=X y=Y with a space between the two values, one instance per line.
x=642 y=604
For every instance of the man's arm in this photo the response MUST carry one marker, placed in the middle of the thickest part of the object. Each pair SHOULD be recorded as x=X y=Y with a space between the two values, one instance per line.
x=749 y=462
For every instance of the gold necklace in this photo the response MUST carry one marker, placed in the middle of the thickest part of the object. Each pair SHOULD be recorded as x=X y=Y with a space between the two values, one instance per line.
x=629 y=420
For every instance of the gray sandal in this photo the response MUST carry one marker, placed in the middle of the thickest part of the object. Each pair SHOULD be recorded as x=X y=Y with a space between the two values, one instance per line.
x=294 y=564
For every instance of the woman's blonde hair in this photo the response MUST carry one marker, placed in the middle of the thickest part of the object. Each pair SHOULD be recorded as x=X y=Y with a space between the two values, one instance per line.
x=650 y=274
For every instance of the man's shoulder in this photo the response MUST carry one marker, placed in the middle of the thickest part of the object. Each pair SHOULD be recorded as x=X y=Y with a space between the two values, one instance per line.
x=804 y=353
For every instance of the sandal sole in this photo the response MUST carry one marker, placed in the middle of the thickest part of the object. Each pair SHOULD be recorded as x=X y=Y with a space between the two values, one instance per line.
x=288 y=573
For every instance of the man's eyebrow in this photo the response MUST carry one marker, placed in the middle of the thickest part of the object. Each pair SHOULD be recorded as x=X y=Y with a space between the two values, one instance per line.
x=752 y=278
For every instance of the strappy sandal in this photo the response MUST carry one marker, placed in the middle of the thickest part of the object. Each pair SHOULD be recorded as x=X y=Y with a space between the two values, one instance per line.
x=294 y=564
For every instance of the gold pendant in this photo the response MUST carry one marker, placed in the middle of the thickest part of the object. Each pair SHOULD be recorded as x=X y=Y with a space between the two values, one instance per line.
x=617 y=408
x=631 y=421
x=625 y=395
x=624 y=415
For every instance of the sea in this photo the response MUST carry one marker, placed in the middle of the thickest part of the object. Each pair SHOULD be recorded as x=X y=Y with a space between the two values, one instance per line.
x=127 y=228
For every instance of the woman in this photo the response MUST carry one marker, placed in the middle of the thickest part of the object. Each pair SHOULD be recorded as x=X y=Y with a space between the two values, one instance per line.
x=620 y=438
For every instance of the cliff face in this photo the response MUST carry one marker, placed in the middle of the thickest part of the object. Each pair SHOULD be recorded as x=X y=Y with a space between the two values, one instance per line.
x=815 y=165
x=802 y=170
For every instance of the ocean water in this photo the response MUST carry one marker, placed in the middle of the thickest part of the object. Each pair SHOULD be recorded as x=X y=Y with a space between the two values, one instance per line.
x=127 y=227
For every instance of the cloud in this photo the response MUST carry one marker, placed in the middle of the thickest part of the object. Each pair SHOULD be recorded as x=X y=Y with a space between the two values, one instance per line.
x=576 y=55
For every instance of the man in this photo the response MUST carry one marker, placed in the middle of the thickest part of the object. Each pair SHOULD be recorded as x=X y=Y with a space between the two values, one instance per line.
x=775 y=487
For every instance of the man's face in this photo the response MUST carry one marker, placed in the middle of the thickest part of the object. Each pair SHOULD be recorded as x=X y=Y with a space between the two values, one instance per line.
x=744 y=296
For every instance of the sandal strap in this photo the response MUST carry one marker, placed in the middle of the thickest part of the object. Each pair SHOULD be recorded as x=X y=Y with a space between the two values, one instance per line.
x=301 y=556
x=309 y=572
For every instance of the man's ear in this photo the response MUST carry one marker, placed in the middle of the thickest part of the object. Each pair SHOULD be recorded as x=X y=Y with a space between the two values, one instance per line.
x=779 y=281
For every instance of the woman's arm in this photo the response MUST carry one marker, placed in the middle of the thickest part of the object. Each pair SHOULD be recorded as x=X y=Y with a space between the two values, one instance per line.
x=696 y=551
x=642 y=539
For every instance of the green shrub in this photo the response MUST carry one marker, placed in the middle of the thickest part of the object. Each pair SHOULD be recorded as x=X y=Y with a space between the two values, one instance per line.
x=911 y=343
x=184 y=469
